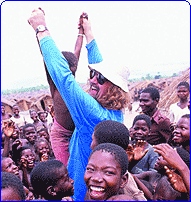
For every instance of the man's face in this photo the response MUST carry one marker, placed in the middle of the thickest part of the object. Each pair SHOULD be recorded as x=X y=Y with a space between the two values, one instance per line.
x=16 y=110
x=146 y=103
x=182 y=92
x=96 y=89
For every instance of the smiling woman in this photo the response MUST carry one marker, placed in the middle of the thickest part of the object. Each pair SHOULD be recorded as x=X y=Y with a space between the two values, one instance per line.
x=105 y=173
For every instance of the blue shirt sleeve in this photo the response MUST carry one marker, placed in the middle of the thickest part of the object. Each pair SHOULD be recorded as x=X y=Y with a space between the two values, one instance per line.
x=79 y=103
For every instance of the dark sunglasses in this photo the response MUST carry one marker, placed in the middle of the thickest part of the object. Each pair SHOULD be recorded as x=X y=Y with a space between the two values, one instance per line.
x=100 y=78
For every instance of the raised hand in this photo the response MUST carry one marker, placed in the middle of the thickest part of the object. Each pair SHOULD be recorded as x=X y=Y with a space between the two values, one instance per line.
x=9 y=128
x=37 y=18
x=176 y=180
x=139 y=150
x=130 y=152
x=23 y=162
x=80 y=24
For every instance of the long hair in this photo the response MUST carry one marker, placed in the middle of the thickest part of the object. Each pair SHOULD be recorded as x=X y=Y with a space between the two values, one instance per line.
x=115 y=99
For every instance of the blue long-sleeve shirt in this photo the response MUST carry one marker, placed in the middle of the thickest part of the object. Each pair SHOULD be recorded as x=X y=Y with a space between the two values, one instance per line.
x=86 y=112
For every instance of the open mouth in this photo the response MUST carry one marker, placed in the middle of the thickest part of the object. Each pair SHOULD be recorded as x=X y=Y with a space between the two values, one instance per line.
x=16 y=172
x=96 y=192
x=31 y=163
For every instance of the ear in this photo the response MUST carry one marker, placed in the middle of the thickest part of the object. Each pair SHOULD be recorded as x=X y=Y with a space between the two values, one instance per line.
x=124 y=180
x=51 y=191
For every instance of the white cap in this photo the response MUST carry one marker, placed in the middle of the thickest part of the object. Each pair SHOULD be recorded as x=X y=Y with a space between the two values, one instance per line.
x=117 y=74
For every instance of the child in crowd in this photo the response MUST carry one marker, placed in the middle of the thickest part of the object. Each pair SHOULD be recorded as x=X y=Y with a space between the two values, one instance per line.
x=43 y=133
x=51 y=180
x=181 y=133
x=42 y=117
x=141 y=155
x=110 y=132
x=117 y=133
x=24 y=158
x=180 y=108
x=17 y=117
x=105 y=174
x=37 y=123
x=151 y=178
x=43 y=150
x=29 y=131
x=8 y=165
x=11 y=188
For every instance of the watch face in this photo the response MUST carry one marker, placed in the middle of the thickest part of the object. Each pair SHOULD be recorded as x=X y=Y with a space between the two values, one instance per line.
x=41 y=28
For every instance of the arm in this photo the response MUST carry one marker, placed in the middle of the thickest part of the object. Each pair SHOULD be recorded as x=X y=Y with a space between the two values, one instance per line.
x=79 y=41
x=141 y=186
x=172 y=157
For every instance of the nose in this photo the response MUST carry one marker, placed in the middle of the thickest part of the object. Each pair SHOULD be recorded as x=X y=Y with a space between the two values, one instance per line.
x=97 y=177
x=176 y=130
x=94 y=79
x=72 y=181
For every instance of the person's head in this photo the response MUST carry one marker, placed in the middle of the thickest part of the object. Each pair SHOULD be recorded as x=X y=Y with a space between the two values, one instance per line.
x=149 y=99
x=11 y=187
x=161 y=162
x=110 y=132
x=141 y=127
x=183 y=90
x=8 y=165
x=43 y=133
x=105 y=173
x=181 y=133
x=42 y=116
x=34 y=115
x=72 y=61
x=53 y=179
x=29 y=132
x=2 y=109
x=42 y=147
x=16 y=110
x=108 y=87
x=165 y=192
x=26 y=155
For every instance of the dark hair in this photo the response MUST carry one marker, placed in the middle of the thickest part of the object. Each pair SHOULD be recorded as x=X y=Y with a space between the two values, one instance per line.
x=28 y=125
x=9 y=180
x=112 y=132
x=43 y=129
x=72 y=61
x=40 y=112
x=18 y=153
x=154 y=92
x=2 y=105
x=119 y=153
x=187 y=116
x=184 y=83
x=45 y=174
x=144 y=117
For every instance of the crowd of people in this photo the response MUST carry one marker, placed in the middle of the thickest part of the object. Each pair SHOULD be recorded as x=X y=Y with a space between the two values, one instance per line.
x=87 y=152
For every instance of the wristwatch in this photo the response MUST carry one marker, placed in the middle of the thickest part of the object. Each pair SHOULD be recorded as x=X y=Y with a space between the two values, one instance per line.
x=40 y=28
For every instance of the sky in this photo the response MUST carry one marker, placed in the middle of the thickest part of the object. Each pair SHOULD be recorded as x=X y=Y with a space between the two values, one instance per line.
x=147 y=36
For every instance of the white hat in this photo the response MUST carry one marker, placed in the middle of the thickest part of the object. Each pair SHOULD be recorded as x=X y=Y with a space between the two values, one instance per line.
x=117 y=74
